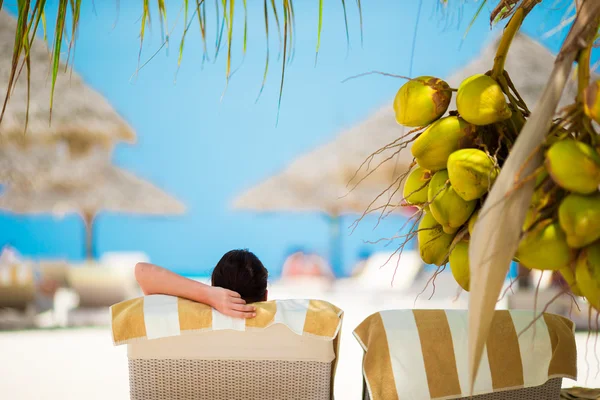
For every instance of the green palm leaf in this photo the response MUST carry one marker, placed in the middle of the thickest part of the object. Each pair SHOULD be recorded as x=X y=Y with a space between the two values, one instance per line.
x=32 y=12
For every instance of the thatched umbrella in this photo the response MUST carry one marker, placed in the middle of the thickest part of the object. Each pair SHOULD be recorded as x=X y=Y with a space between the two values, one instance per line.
x=39 y=166
x=74 y=143
x=325 y=180
x=79 y=113
x=111 y=189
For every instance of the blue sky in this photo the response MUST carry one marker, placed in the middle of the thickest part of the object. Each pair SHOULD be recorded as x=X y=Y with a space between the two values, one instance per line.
x=206 y=150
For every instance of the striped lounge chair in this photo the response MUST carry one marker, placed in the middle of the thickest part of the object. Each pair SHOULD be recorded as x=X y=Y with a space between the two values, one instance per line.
x=180 y=350
x=422 y=354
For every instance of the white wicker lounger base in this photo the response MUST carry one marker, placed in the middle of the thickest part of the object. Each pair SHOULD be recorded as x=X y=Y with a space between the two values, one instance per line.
x=180 y=379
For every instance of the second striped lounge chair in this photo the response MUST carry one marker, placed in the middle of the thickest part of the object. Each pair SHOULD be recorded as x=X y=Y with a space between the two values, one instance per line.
x=422 y=355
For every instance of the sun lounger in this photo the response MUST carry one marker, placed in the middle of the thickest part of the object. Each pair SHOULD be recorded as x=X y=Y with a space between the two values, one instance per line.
x=563 y=305
x=422 y=354
x=17 y=289
x=56 y=270
x=179 y=349
x=100 y=285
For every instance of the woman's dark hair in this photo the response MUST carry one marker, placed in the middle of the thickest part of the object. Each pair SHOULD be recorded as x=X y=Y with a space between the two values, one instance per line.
x=242 y=272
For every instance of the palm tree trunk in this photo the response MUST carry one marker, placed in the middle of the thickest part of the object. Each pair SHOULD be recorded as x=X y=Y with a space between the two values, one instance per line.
x=88 y=220
x=335 y=245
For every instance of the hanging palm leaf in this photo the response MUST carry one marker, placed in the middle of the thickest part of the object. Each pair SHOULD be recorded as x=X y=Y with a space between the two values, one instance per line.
x=31 y=12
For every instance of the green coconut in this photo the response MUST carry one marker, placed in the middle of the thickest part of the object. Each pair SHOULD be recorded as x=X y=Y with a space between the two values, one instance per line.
x=579 y=218
x=480 y=101
x=422 y=100
x=545 y=247
x=569 y=275
x=434 y=243
x=587 y=273
x=472 y=172
x=574 y=166
x=446 y=206
x=416 y=187
x=459 y=264
x=433 y=147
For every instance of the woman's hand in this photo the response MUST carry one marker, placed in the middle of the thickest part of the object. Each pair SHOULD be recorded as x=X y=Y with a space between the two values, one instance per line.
x=230 y=303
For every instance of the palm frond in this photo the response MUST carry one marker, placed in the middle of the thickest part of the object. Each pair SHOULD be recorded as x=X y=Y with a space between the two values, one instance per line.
x=346 y=26
x=276 y=15
x=285 y=40
x=264 y=81
x=319 y=29
x=68 y=19
x=475 y=17
x=58 y=38
x=186 y=5
x=360 y=18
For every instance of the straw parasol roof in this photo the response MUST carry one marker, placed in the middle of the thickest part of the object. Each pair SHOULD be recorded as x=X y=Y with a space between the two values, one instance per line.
x=111 y=189
x=322 y=180
x=38 y=166
x=80 y=114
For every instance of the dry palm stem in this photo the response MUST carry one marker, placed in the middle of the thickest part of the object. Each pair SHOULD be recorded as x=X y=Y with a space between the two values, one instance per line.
x=496 y=236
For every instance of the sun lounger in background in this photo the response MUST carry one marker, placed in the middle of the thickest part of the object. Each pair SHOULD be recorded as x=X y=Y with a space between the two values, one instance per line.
x=17 y=296
x=422 y=354
x=56 y=270
x=99 y=285
x=564 y=305
x=180 y=350
x=17 y=286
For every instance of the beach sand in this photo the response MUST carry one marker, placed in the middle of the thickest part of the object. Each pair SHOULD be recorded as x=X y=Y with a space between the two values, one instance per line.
x=65 y=364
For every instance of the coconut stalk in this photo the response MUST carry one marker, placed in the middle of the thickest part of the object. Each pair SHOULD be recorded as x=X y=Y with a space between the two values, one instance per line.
x=497 y=231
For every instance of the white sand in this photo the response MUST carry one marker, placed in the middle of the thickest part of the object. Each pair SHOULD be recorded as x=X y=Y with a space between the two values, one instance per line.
x=82 y=363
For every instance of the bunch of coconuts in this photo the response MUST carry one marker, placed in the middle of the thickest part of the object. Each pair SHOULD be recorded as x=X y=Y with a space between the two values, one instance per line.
x=458 y=157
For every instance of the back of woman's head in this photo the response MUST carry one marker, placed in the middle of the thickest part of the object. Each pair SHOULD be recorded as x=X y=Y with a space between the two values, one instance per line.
x=242 y=272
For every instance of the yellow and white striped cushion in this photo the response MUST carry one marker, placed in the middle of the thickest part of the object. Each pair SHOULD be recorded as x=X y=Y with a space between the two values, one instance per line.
x=159 y=316
x=422 y=354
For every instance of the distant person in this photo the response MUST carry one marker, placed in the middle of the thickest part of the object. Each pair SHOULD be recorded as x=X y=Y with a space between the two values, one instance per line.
x=237 y=280
x=301 y=264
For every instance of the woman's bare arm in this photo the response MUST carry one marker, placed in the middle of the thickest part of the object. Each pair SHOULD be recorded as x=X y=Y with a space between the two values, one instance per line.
x=156 y=280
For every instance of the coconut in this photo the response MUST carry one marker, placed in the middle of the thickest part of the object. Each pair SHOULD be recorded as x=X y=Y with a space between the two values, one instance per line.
x=433 y=147
x=433 y=242
x=579 y=218
x=587 y=274
x=473 y=220
x=569 y=275
x=446 y=206
x=415 y=188
x=544 y=247
x=574 y=166
x=422 y=100
x=459 y=264
x=472 y=172
x=480 y=101
x=591 y=101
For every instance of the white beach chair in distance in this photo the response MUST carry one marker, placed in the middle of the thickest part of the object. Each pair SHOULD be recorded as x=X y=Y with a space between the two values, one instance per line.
x=99 y=285
x=181 y=350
